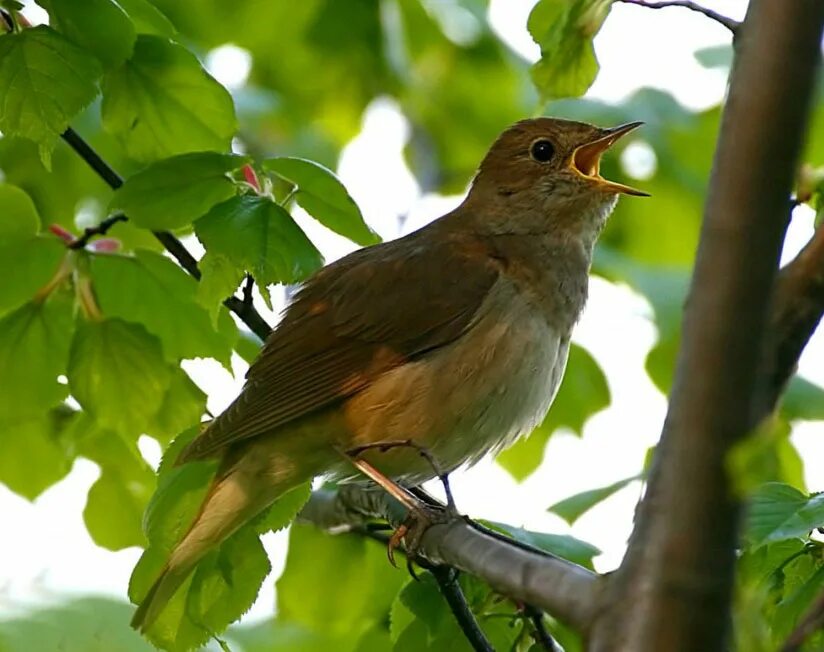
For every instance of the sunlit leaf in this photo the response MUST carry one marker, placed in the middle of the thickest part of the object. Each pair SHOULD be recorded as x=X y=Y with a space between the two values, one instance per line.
x=117 y=373
x=99 y=26
x=45 y=80
x=803 y=400
x=283 y=512
x=563 y=545
x=35 y=455
x=323 y=196
x=221 y=277
x=182 y=407
x=176 y=191
x=258 y=235
x=161 y=102
x=147 y=288
x=19 y=219
x=147 y=18
x=564 y=29
x=34 y=347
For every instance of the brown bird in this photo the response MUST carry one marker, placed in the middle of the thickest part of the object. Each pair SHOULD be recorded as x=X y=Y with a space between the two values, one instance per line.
x=454 y=337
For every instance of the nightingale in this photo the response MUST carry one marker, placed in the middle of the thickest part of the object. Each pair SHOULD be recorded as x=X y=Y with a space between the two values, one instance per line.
x=454 y=337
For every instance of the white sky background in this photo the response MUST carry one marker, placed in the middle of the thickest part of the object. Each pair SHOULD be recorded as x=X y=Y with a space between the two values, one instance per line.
x=46 y=550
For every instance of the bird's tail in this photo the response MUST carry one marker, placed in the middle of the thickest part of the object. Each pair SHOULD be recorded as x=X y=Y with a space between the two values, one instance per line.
x=233 y=499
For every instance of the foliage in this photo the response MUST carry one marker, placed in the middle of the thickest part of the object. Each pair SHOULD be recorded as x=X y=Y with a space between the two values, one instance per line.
x=91 y=340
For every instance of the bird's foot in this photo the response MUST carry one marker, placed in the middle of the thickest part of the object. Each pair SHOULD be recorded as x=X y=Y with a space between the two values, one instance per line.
x=421 y=517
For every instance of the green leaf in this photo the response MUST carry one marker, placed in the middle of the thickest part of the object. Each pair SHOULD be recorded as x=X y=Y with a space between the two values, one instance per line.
x=248 y=346
x=564 y=29
x=778 y=511
x=220 y=280
x=118 y=374
x=45 y=80
x=182 y=407
x=73 y=625
x=161 y=102
x=803 y=400
x=323 y=196
x=583 y=392
x=174 y=192
x=147 y=18
x=26 y=266
x=99 y=26
x=35 y=454
x=284 y=510
x=34 y=347
x=360 y=595
x=19 y=219
x=767 y=455
x=563 y=545
x=572 y=508
x=258 y=235
x=115 y=506
x=222 y=588
x=147 y=288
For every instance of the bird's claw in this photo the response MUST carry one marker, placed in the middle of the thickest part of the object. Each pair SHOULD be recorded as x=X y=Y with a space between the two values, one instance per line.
x=411 y=531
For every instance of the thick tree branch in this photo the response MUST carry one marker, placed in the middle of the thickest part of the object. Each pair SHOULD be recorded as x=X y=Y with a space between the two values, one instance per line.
x=673 y=590
x=559 y=587
x=244 y=310
x=729 y=23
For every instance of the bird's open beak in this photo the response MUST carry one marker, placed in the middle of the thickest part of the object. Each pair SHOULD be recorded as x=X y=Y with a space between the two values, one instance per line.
x=586 y=159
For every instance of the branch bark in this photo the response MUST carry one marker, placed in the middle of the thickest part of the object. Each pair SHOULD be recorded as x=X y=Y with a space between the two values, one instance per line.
x=672 y=591
x=521 y=572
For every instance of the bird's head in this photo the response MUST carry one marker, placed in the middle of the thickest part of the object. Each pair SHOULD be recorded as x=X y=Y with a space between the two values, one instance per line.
x=548 y=169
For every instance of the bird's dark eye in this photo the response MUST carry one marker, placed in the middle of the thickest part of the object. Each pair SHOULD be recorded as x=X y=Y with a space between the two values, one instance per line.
x=542 y=150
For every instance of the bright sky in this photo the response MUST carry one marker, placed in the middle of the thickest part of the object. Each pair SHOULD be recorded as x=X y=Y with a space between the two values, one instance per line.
x=51 y=551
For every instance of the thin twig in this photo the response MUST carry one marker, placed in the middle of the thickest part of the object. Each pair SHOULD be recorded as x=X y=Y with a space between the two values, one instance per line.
x=93 y=231
x=248 y=286
x=447 y=579
x=542 y=636
x=246 y=312
x=729 y=23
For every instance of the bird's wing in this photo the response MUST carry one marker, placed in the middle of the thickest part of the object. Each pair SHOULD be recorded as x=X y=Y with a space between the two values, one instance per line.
x=353 y=321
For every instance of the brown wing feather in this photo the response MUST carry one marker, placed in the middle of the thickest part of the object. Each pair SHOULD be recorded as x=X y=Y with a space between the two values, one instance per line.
x=354 y=320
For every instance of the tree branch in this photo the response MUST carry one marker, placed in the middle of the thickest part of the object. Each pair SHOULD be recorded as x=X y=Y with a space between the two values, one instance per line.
x=673 y=588
x=245 y=311
x=447 y=579
x=516 y=570
x=729 y=23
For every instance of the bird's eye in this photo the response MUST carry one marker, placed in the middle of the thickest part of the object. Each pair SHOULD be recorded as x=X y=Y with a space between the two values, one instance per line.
x=542 y=150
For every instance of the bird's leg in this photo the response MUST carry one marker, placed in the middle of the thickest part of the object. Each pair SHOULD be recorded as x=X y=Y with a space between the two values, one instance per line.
x=421 y=515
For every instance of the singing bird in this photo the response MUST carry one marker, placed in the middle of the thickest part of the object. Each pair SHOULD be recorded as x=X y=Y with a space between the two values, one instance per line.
x=454 y=337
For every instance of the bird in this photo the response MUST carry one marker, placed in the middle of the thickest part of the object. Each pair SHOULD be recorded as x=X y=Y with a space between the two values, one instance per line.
x=454 y=337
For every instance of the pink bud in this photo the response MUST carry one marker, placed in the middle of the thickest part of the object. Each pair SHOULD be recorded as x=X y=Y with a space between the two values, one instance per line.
x=61 y=233
x=105 y=245
x=250 y=176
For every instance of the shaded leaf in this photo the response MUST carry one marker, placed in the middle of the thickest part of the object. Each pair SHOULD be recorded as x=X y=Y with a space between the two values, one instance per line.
x=283 y=512
x=99 y=26
x=258 y=235
x=572 y=508
x=45 y=80
x=583 y=392
x=161 y=102
x=767 y=455
x=803 y=400
x=117 y=373
x=564 y=29
x=778 y=511
x=323 y=196
x=363 y=588
x=176 y=191
x=563 y=545
x=147 y=288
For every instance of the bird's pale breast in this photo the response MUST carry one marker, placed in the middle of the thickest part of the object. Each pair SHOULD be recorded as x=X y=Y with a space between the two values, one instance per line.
x=475 y=395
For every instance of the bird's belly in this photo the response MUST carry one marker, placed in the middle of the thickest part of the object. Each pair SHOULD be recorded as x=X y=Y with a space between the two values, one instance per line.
x=476 y=395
